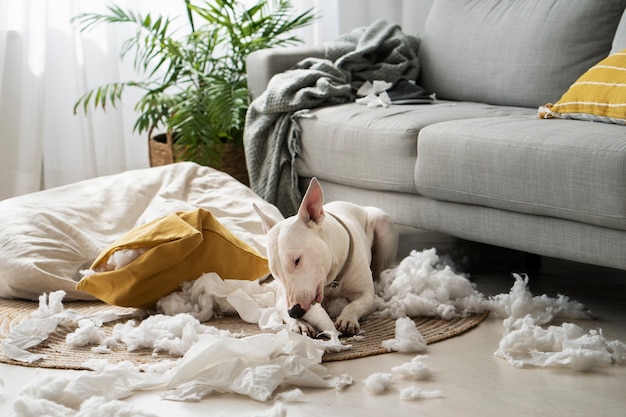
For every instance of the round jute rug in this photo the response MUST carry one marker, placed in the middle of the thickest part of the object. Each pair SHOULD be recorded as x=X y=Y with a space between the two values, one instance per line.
x=58 y=354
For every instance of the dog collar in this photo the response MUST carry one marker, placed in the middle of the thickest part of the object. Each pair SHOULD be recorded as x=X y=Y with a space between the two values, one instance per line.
x=333 y=285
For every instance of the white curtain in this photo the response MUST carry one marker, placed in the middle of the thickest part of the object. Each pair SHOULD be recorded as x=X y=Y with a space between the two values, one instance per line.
x=46 y=64
x=341 y=16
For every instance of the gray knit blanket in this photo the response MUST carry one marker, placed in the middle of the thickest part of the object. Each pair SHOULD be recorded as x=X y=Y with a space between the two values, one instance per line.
x=272 y=134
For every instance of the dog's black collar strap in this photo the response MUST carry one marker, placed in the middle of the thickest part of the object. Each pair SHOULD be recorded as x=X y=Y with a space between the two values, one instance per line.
x=333 y=285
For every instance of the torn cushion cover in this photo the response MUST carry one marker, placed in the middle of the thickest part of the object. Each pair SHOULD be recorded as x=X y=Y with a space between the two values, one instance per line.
x=598 y=95
x=180 y=247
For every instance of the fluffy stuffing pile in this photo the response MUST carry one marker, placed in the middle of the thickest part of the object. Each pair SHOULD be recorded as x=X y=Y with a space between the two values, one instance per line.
x=213 y=360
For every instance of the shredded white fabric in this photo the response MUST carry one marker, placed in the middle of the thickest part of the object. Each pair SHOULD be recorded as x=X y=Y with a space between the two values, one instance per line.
x=254 y=366
x=416 y=393
x=378 y=383
x=408 y=339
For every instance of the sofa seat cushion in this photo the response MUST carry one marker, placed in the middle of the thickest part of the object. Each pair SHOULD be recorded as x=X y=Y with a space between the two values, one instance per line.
x=562 y=168
x=376 y=148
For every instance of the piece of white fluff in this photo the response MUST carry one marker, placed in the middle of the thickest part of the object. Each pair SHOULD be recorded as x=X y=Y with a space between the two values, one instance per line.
x=520 y=302
x=87 y=333
x=50 y=304
x=421 y=286
x=378 y=383
x=88 y=394
x=416 y=393
x=292 y=396
x=526 y=343
x=98 y=407
x=171 y=334
x=407 y=339
x=416 y=369
x=210 y=295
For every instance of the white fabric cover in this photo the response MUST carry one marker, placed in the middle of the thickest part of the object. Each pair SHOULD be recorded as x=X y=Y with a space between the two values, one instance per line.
x=47 y=237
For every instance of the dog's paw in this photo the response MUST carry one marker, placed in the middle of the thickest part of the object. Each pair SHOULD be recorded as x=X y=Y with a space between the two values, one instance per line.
x=302 y=327
x=347 y=326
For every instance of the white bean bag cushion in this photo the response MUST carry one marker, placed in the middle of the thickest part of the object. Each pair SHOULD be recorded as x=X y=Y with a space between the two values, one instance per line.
x=48 y=237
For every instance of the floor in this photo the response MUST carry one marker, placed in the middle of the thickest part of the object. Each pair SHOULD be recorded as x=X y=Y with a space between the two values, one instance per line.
x=472 y=380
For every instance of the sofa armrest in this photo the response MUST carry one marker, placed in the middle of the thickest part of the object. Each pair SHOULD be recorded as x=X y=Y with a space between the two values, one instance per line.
x=263 y=64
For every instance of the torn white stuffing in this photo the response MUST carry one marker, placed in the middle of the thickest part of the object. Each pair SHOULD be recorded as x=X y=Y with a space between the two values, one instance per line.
x=568 y=345
x=49 y=315
x=173 y=335
x=292 y=396
x=421 y=286
x=86 y=334
x=209 y=295
x=49 y=305
x=87 y=394
x=378 y=383
x=118 y=259
x=520 y=302
x=98 y=407
x=416 y=393
x=416 y=369
x=216 y=362
x=408 y=339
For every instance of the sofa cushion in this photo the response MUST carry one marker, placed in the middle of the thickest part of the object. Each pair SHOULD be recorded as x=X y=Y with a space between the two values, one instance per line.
x=355 y=145
x=563 y=168
x=514 y=53
x=599 y=95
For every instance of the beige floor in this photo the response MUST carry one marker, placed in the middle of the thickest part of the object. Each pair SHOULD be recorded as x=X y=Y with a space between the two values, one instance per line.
x=473 y=381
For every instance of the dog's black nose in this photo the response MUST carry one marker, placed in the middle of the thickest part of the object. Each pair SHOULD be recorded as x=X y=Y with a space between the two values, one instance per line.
x=296 y=312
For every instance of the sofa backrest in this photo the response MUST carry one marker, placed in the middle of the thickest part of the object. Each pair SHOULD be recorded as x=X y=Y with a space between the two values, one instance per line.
x=619 y=42
x=514 y=52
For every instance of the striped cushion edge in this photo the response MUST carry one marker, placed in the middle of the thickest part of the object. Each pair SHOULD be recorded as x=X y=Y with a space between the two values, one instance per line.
x=598 y=95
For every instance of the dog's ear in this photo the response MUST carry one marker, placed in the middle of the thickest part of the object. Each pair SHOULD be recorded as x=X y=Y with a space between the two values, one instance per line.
x=267 y=221
x=312 y=204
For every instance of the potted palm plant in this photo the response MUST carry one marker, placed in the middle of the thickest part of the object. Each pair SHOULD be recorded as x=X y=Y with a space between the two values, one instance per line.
x=194 y=82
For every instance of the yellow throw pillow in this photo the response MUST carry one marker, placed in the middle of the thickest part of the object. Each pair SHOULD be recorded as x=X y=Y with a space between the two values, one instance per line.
x=598 y=95
x=178 y=247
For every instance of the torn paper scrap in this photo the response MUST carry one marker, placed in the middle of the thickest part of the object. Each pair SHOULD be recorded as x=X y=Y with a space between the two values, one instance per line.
x=45 y=320
x=254 y=366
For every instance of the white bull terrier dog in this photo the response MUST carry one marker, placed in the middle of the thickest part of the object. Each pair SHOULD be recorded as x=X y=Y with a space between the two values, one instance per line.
x=329 y=251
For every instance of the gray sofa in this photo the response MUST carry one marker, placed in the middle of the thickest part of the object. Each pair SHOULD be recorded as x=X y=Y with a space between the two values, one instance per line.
x=479 y=164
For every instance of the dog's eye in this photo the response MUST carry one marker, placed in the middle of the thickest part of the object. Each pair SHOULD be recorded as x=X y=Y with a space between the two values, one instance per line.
x=296 y=262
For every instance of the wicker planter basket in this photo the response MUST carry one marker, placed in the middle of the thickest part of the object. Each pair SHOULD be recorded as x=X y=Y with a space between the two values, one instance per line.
x=163 y=151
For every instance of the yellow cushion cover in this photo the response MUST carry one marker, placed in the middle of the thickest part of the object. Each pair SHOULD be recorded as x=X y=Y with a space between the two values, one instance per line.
x=598 y=95
x=182 y=246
